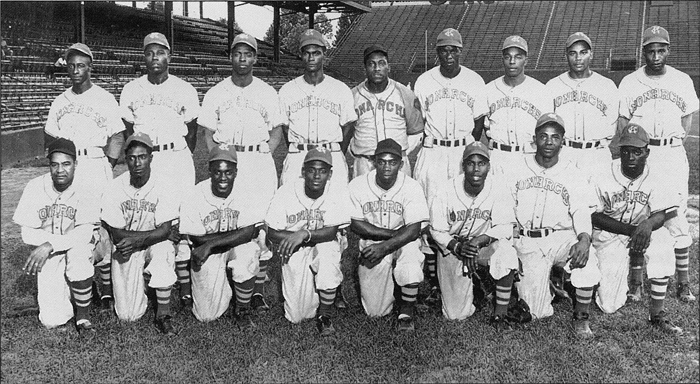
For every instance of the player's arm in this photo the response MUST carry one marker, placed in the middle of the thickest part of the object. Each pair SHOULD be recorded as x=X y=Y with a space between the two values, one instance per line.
x=219 y=242
x=348 y=132
x=640 y=235
x=369 y=231
x=276 y=137
x=48 y=243
x=478 y=127
x=687 y=122
x=373 y=253
x=115 y=143
x=289 y=242
x=128 y=242
x=191 y=137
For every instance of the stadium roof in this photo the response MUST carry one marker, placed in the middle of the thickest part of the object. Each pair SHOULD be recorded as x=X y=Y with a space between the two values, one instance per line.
x=320 y=6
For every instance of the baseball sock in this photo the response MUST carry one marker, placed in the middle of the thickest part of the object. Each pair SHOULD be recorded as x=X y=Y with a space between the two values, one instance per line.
x=504 y=286
x=182 y=268
x=409 y=292
x=682 y=265
x=636 y=269
x=244 y=291
x=260 y=278
x=326 y=297
x=105 y=272
x=431 y=261
x=583 y=299
x=82 y=295
x=658 y=294
x=163 y=298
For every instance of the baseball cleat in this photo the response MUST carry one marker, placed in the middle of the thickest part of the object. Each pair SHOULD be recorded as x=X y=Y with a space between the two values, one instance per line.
x=186 y=302
x=684 y=294
x=86 y=330
x=582 y=327
x=434 y=297
x=405 y=324
x=635 y=293
x=662 y=323
x=165 y=326
x=340 y=301
x=106 y=304
x=244 y=320
x=324 y=325
x=500 y=323
x=258 y=303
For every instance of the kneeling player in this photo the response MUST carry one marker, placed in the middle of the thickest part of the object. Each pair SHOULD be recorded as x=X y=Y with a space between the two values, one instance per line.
x=221 y=221
x=388 y=210
x=472 y=219
x=630 y=218
x=60 y=218
x=137 y=211
x=303 y=221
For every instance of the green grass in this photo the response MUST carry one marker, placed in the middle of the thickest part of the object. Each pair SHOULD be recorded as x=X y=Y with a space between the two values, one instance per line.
x=626 y=348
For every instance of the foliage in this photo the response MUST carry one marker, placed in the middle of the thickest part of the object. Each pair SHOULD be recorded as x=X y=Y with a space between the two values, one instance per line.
x=293 y=25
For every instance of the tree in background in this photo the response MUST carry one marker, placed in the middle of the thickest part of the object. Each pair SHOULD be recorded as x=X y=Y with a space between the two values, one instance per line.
x=293 y=25
x=344 y=23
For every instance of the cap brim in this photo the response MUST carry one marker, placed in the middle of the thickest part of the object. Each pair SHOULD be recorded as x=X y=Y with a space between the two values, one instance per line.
x=656 y=40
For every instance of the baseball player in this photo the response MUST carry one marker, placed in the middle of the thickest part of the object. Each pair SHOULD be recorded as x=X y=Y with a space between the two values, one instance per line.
x=452 y=100
x=165 y=108
x=586 y=101
x=472 y=220
x=515 y=102
x=88 y=115
x=138 y=211
x=59 y=218
x=385 y=109
x=221 y=222
x=243 y=110
x=388 y=210
x=553 y=206
x=303 y=221
x=629 y=220
x=662 y=99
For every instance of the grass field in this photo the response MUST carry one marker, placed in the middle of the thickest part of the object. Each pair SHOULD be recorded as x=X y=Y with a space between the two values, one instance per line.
x=626 y=348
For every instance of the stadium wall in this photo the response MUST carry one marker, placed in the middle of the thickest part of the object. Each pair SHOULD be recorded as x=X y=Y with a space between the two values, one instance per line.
x=22 y=145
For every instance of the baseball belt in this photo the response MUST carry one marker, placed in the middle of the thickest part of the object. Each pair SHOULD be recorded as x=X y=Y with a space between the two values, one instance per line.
x=540 y=232
x=164 y=147
x=661 y=142
x=507 y=148
x=333 y=147
x=450 y=143
x=582 y=144
x=90 y=152
x=247 y=148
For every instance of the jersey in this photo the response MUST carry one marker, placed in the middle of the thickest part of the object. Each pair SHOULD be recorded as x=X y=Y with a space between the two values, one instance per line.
x=316 y=113
x=450 y=106
x=241 y=115
x=587 y=106
x=390 y=114
x=513 y=111
x=161 y=111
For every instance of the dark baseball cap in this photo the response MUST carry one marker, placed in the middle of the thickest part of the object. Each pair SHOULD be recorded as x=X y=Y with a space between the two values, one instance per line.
x=374 y=48
x=320 y=154
x=80 y=48
x=550 y=118
x=515 y=41
x=62 y=145
x=576 y=37
x=634 y=135
x=139 y=137
x=655 y=34
x=244 y=38
x=155 y=38
x=449 y=37
x=226 y=152
x=312 y=36
x=476 y=148
x=388 y=146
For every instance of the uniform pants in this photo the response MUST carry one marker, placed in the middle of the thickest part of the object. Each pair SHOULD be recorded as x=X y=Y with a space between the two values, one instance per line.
x=671 y=162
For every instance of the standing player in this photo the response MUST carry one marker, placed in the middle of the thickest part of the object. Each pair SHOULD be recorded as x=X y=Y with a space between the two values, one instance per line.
x=137 y=210
x=165 y=108
x=388 y=210
x=303 y=222
x=385 y=109
x=221 y=221
x=88 y=115
x=59 y=218
x=452 y=100
x=662 y=99
x=553 y=214
x=630 y=216
x=243 y=111
x=472 y=221
x=515 y=103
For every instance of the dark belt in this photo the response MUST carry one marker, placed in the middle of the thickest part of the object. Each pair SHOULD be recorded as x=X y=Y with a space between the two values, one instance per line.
x=164 y=147
x=582 y=145
x=368 y=157
x=450 y=143
x=542 y=232
x=247 y=148
x=507 y=148
x=661 y=142
x=328 y=146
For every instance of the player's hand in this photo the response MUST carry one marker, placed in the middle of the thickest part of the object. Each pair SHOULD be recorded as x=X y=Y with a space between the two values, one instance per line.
x=641 y=237
x=290 y=244
x=200 y=255
x=579 y=252
x=37 y=259
x=373 y=254
x=119 y=257
x=470 y=252
x=128 y=245
x=174 y=234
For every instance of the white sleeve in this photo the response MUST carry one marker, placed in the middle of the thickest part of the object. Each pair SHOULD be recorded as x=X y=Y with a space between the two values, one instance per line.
x=439 y=214
x=81 y=234
x=207 y=114
x=192 y=107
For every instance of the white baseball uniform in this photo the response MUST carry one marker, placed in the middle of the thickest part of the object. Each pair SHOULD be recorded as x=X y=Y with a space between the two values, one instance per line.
x=402 y=205
x=454 y=213
x=203 y=214
x=552 y=207
x=657 y=105
x=310 y=268
x=67 y=220
x=139 y=209
x=630 y=202
x=513 y=114
x=390 y=114
x=589 y=110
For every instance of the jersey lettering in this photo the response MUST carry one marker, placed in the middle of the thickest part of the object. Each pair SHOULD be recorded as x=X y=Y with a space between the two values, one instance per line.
x=628 y=197
x=245 y=103
x=315 y=101
x=138 y=205
x=659 y=94
x=581 y=96
x=57 y=210
x=221 y=220
x=307 y=215
x=515 y=102
x=465 y=214
x=160 y=100
x=382 y=206
x=544 y=183
x=388 y=106
x=449 y=94
x=84 y=110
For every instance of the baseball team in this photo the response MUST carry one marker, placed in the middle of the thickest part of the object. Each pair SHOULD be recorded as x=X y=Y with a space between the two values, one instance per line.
x=571 y=178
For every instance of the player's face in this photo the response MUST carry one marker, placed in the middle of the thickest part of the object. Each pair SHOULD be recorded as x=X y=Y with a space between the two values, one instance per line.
x=449 y=57
x=388 y=166
x=312 y=56
x=514 y=61
x=62 y=169
x=79 y=68
x=157 y=58
x=633 y=159
x=316 y=174
x=476 y=168
x=222 y=174
x=549 y=141
x=377 y=68
x=138 y=160
x=655 y=55
x=579 y=56
x=243 y=58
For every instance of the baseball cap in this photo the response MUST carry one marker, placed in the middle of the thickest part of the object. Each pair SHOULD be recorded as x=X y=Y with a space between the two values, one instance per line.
x=155 y=38
x=515 y=41
x=375 y=48
x=634 y=135
x=449 y=36
x=244 y=38
x=576 y=37
x=139 y=137
x=79 y=47
x=655 y=34
x=476 y=148
x=225 y=152
x=550 y=118
x=62 y=145
x=320 y=154
x=312 y=36
x=388 y=146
